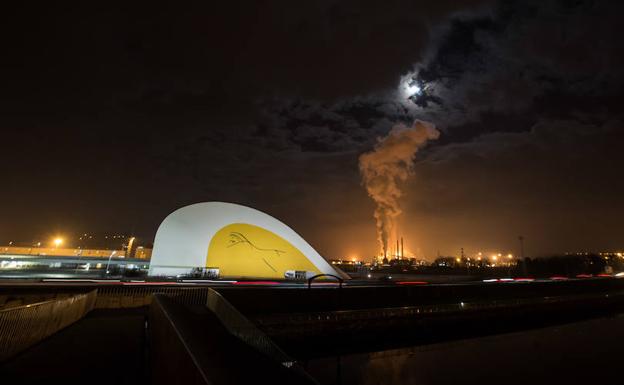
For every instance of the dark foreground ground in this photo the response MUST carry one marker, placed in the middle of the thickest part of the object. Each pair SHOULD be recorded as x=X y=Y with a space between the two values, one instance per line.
x=109 y=347
x=588 y=352
x=567 y=332
x=106 y=347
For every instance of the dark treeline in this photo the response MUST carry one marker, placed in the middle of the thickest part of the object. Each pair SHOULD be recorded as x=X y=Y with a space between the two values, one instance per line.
x=570 y=265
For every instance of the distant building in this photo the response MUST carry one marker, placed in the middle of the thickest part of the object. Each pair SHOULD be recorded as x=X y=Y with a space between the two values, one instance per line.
x=445 y=262
x=141 y=252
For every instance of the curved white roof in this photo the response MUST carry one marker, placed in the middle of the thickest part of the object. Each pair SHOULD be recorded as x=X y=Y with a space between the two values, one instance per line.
x=238 y=238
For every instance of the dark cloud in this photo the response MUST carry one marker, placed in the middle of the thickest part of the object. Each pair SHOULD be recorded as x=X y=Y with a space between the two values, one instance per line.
x=548 y=58
x=496 y=68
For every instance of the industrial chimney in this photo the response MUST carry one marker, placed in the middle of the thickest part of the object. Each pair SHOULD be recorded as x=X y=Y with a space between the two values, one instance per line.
x=396 y=254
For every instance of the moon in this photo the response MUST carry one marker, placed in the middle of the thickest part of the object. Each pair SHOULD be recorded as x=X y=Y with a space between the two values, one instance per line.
x=409 y=87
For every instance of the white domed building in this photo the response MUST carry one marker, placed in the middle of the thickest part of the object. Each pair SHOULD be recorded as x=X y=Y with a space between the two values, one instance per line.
x=232 y=241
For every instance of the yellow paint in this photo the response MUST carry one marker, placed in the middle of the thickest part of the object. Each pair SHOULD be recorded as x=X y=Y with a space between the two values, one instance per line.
x=243 y=250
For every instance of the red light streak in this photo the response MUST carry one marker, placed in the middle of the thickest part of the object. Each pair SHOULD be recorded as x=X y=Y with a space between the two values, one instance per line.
x=413 y=283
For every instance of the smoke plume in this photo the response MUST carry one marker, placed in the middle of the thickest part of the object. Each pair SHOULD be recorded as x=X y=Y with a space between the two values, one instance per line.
x=387 y=166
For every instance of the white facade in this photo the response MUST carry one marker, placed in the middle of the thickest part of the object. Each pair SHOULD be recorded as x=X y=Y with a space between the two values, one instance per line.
x=184 y=237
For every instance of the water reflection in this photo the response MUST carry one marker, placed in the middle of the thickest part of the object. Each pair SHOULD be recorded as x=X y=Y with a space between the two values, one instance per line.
x=583 y=352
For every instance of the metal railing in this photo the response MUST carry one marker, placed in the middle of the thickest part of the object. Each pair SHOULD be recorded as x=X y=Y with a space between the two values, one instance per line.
x=115 y=297
x=172 y=360
x=24 y=326
x=238 y=325
x=277 y=320
x=241 y=327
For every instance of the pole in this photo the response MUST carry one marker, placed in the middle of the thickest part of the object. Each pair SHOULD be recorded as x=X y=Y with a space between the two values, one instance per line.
x=524 y=262
x=397 y=256
x=109 y=259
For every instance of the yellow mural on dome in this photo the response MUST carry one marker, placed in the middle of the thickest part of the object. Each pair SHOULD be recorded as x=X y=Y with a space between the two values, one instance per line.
x=244 y=250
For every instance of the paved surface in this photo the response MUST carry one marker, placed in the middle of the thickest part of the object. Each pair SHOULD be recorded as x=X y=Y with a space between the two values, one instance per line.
x=106 y=347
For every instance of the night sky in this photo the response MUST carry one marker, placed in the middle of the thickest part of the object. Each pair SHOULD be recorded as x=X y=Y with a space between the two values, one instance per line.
x=113 y=117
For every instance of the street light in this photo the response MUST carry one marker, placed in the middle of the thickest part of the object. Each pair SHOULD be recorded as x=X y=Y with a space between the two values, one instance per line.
x=57 y=242
x=109 y=259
